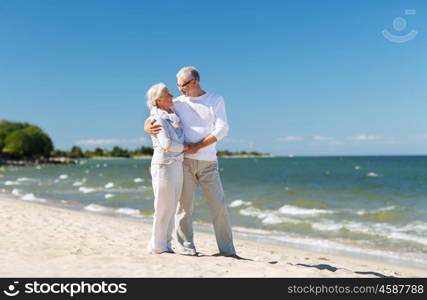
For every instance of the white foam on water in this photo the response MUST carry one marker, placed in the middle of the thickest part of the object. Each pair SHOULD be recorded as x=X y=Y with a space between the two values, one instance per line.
x=26 y=179
x=238 y=202
x=108 y=196
x=327 y=226
x=372 y=174
x=272 y=219
x=16 y=192
x=408 y=237
x=331 y=246
x=129 y=211
x=374 y=229
x=38 y=168
x=78 y=183
x=362 y=212
x=267 y=216
x=97 y=208
x=298 y=211
x=357 y=167
x=405 y=233
x=11 y=183
x=105 y=165
x=31 y=197
x=138 y=180
x=415 y=232
x=417 y=226
x=251 y=230
x=387 y=208
x=325 y=245
x=253 y=212
x=109 y=185
x=63 y=176
x=86 y=189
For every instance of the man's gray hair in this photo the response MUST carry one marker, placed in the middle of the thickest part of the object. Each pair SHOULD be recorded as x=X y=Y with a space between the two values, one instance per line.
x=154 y=93
x=189 y=73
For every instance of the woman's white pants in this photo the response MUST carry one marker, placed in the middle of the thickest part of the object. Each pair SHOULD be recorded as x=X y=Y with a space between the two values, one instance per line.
x=167 y=186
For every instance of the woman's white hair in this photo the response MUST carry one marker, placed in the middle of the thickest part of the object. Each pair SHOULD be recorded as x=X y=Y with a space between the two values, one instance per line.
x=154 y=93
x=189 y=73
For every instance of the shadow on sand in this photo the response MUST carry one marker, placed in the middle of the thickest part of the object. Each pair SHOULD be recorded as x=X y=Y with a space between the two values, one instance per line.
x=334 y=269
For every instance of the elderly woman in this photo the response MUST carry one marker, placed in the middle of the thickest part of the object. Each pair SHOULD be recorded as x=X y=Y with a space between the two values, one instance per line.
x=166 y=167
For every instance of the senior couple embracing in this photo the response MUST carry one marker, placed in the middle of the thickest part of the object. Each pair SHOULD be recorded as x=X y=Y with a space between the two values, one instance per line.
x=184 y=132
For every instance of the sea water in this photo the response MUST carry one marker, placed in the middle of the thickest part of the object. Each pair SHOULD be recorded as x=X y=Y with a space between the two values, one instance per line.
x=369 y=206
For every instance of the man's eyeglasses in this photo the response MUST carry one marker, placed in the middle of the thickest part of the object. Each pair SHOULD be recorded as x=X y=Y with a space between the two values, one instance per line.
x=185 y=84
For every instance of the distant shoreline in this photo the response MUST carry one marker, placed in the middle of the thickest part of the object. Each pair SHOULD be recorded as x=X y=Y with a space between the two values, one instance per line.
x=244 y=156
x=72 y=161
x=149 y=157
x=66 y=160
x=37 y=162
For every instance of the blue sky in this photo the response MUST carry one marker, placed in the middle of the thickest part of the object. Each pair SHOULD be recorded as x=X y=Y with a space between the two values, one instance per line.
x=298 y=77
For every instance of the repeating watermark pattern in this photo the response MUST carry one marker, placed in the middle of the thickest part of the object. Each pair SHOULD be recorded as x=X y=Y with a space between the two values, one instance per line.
x=399 y=24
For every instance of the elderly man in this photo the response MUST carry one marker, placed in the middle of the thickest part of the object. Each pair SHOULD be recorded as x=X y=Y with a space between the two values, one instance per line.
x=204 y=122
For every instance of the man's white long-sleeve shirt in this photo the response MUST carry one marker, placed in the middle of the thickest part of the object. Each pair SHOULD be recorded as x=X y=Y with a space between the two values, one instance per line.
x=201 y=116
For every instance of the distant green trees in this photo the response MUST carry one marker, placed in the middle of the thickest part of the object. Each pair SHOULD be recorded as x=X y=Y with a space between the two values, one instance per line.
x=98 y=152
x=23 y=141
x=77 y=152
x=143 y=151
x=59 y=153
x=241 y=153
x=119 y=152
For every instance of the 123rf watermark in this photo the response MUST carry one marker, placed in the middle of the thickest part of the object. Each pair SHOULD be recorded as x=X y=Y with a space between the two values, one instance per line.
x=71 y=289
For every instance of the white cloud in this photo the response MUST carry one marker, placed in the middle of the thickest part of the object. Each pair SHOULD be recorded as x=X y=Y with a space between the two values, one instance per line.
x=365 y=137
x=289 y=139
x=421 y=137
x=231 y=140
x=323 y=138
x=112 y=141
x=327 y=139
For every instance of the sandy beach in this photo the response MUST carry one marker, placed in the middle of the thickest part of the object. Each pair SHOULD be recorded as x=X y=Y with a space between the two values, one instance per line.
x=46 y=241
